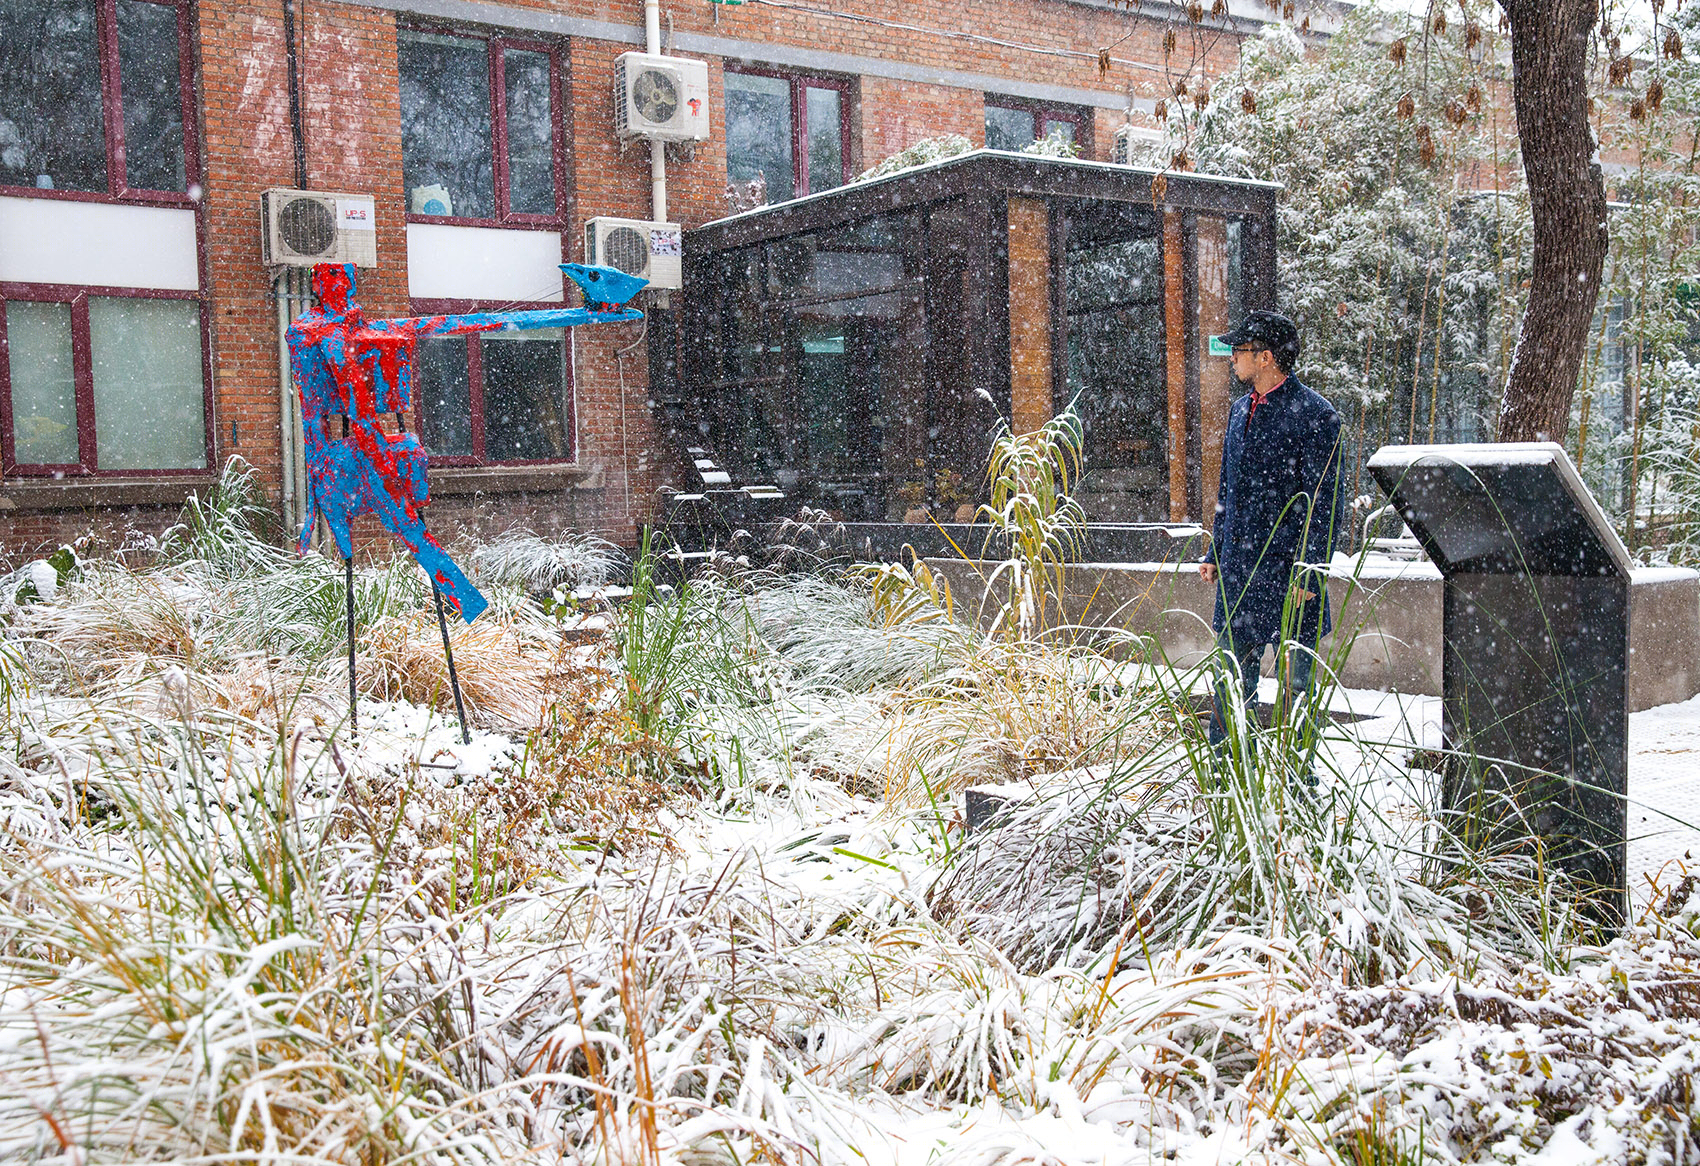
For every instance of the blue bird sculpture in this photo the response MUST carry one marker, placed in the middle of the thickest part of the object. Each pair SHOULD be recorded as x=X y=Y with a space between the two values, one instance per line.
x=605 y=287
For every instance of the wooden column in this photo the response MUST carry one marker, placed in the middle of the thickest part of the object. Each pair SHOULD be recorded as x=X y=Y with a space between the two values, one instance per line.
x=1215 y=373
x=1029 y=314
x=1174 y=328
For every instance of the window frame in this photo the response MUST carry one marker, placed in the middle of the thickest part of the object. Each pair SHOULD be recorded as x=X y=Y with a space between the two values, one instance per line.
x=1078 y=116
x=82 y=369
x=800 y=83
x=496 y=44
x=118 y=189
x=475 y=389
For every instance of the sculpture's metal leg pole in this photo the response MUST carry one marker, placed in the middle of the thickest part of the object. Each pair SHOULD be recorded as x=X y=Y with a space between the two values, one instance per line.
x=353 y=707
x=449 y=655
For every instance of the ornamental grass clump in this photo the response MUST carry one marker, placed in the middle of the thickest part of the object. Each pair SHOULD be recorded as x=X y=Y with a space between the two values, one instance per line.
x=523 y=559
x=1031 y=476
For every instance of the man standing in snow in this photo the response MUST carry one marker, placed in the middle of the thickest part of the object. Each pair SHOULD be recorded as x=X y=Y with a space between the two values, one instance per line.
x=1278 y=510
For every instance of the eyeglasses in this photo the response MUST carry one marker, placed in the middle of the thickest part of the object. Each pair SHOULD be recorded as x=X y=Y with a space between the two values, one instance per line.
x=1248 y=348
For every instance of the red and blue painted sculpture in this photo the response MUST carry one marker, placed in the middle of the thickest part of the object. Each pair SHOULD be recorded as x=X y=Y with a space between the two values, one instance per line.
x=355 y=369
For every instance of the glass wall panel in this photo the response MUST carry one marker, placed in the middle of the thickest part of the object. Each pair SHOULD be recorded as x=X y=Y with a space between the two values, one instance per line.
x=445 y=124
x=876 y=255
x=151 y=85
x=1113 y=288
x=1009 y=129
x=149 y=399
x=531 y=141
x=859 y=367
x=1221 y=303
x=525 y=413
x=44 y=387
x=959 y=419
x=746 y=337
x=826 y=138
x=442 y=381
x=759 y=133
x=52 y=122
x=1236 y=270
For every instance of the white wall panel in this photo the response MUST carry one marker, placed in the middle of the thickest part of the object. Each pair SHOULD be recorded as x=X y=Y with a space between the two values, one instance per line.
x=483 y=263
x=97 y=244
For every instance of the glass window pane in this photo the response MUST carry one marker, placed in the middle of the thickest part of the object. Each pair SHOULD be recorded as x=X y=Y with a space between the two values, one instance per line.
x=149 y=79
x=444 y=388
x=758 y=133
x=1060 y=127
x=52 y=129
x=1008 y=129
x=149 y=405
x=445 y=125
x=531 y=132
x=825 y=124
x=44 y=387
x=525 y=415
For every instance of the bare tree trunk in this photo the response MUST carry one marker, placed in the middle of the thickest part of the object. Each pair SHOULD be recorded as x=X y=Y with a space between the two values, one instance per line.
x=1549 y=62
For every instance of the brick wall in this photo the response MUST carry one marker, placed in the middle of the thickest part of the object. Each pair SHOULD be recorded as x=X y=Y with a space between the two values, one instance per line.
x=351 y=116
x=351 y=123
x=897 y=114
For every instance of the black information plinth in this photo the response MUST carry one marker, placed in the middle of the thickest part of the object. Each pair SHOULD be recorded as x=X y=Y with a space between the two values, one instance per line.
x=1536 y=626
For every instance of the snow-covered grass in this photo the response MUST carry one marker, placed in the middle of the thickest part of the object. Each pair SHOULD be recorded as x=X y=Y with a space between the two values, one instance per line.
x=709 y=898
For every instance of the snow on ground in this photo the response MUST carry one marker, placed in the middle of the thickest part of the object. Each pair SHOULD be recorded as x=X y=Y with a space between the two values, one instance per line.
x=814 y=980
x=1664 y=770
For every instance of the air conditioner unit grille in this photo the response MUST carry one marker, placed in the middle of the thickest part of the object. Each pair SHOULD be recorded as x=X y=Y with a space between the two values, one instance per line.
x=655 y=96
x=307 y=226
x=626 y=249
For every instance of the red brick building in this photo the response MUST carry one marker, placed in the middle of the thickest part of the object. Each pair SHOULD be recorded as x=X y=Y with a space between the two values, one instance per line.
x=139 y=325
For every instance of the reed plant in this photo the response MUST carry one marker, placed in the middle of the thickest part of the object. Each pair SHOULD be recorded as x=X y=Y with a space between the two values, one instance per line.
x=1031 y=476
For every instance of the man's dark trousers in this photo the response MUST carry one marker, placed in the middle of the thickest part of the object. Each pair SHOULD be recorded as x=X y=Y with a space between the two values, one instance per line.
x=1247 y=658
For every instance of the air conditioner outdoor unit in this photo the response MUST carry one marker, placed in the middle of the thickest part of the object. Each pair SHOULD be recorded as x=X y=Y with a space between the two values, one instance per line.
x=302 y=227
x=1127 y=141
x=664 y=98
x=649 y=250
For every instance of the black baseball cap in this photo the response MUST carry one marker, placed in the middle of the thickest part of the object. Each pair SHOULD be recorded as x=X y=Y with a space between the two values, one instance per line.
x=1270 y=329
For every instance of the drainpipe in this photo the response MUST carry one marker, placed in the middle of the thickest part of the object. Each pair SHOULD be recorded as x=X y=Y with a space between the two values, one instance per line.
x=657 y=149
x=289 y=292
x=289 y=296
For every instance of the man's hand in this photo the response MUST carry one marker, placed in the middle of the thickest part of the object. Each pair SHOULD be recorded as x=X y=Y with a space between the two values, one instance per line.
x=1207 y=572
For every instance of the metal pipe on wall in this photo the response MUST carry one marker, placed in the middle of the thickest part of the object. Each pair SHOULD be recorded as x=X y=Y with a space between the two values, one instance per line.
x=289 y=296
x=657 y=150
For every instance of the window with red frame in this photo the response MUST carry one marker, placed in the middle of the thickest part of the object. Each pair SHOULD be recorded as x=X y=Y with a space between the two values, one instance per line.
x=481 y=134
x=94 y=97
x=101 y=381
x=790 y=132
x=1015 y=125
x=493 y=398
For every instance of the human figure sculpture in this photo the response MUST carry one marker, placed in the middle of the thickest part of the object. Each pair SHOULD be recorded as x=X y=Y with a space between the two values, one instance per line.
x=357 y=370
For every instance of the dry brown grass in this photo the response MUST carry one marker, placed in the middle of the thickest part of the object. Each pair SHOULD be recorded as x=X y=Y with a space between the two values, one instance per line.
x=503 y=670
x=1014 y=711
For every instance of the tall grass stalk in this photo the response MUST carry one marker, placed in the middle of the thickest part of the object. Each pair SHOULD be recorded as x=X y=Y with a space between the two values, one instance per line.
x=1031 y=477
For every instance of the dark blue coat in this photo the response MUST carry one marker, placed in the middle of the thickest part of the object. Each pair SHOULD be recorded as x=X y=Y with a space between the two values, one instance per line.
x=1280 y=502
